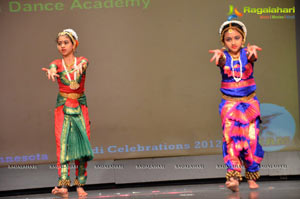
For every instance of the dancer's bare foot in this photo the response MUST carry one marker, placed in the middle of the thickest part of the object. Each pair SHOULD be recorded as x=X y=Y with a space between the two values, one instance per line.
x=252 y=184
x=61 y=192
x=81 y=192
x=232 y=184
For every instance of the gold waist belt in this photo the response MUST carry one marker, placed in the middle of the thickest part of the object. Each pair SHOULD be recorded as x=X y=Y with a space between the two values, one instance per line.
x=71 y=95
x=238 y=99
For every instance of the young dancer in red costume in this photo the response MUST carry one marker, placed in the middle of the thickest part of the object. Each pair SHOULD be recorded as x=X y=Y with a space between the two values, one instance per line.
x=72 y=124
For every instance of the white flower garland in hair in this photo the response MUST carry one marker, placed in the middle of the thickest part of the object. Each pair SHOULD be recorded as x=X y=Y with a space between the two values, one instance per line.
x=69 y=30
x=236 y=22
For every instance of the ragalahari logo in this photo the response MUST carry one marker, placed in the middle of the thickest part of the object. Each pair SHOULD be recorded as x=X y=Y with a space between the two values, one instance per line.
x=233 y=13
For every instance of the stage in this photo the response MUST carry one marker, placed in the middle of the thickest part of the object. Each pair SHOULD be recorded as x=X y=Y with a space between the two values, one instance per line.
x=268 y=189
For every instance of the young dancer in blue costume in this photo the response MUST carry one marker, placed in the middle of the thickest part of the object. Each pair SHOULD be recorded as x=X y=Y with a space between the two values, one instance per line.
x=239 y=107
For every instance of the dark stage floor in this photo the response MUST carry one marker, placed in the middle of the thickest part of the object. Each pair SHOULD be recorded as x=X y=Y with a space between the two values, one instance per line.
x=268 y=189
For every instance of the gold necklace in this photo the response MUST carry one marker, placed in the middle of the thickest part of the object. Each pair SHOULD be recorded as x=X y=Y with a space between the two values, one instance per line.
x=69 y=65
x=235 y=56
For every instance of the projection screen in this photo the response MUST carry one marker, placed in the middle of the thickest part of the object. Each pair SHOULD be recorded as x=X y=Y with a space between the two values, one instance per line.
x=151 y=90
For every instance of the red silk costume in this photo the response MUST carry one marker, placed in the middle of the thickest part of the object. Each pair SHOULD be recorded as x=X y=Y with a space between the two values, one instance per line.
x=72 y=125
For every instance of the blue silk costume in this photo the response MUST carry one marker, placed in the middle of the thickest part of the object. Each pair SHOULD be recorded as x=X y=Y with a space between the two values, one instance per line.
x=240 y=114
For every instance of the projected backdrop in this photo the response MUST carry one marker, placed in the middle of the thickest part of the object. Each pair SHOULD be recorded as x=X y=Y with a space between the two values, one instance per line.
x=151 y=90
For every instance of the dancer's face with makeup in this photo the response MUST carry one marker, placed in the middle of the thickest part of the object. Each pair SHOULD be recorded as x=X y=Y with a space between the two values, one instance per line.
x=65 y=45
x=233 y=41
